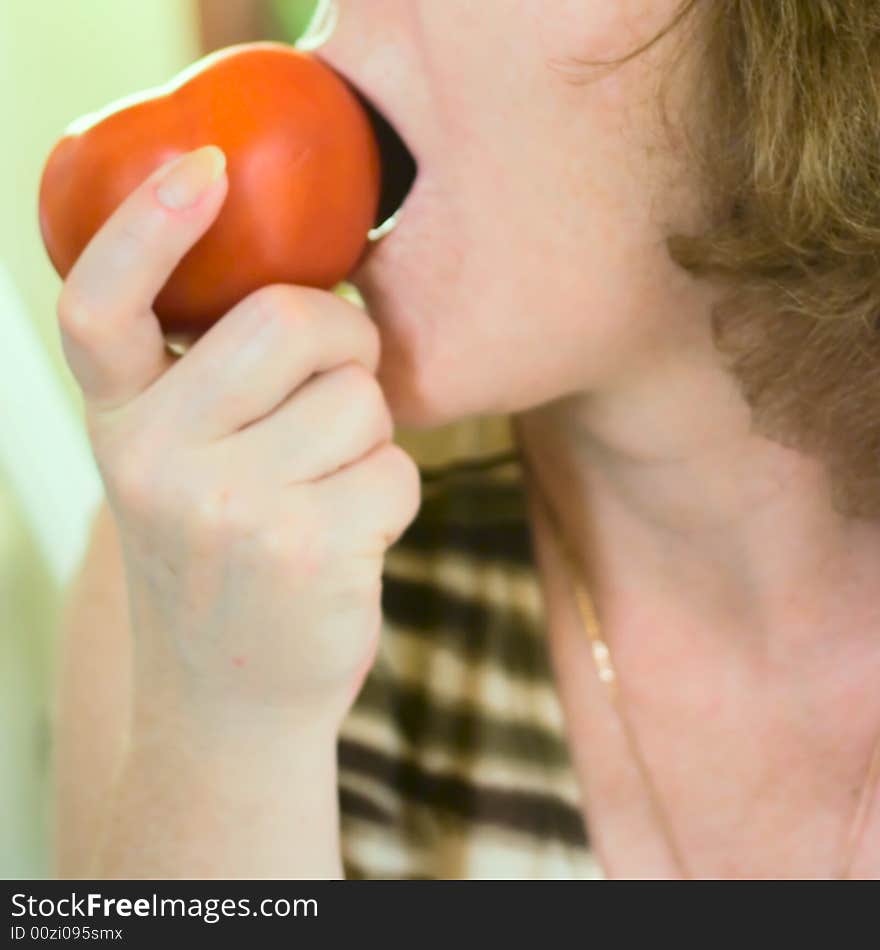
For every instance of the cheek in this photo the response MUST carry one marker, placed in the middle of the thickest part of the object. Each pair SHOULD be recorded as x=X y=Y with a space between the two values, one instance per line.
x=490 y=345
x=500 y=306
x=531 y=267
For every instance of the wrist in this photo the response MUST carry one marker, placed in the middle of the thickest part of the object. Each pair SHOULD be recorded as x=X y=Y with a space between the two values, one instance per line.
x=196 y=800
x=169 y=718
x=169 y=699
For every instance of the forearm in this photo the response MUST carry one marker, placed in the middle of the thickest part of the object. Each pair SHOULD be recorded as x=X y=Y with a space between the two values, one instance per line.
x=247 y=804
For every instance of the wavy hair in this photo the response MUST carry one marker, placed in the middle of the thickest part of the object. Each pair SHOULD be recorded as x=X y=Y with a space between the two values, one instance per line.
x=785 y=137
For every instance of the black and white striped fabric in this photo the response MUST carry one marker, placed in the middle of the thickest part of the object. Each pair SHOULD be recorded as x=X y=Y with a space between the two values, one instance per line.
x=453 y=761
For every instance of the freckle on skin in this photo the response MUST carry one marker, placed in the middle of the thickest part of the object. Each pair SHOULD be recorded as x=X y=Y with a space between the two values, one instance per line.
x=238 y=661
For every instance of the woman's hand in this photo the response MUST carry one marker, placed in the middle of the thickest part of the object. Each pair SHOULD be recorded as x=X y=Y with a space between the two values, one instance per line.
x=253 y=480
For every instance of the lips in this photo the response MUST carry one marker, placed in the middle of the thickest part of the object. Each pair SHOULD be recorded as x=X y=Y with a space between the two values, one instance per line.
x=399 y=168
x=399 y=164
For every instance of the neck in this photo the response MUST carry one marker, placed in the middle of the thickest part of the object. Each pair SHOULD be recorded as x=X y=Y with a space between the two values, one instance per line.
x=672 y=500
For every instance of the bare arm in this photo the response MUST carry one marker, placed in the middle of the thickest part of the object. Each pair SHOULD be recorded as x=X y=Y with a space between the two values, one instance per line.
x=169 y=804
x=255 y=488
x=93 y=698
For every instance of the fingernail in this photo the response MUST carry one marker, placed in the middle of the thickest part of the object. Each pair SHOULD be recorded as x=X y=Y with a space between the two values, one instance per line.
x=187 y=178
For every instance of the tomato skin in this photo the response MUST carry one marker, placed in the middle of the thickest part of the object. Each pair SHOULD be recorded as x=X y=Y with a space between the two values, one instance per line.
x=302 y=162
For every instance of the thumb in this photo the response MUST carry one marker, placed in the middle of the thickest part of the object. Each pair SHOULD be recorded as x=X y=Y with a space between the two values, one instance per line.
x=111 y=337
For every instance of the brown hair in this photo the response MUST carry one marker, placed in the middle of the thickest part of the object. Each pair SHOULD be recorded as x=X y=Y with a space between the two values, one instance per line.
x=786 y=134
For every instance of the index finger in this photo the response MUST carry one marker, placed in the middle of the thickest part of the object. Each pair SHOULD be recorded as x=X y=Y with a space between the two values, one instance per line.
x=111 y=337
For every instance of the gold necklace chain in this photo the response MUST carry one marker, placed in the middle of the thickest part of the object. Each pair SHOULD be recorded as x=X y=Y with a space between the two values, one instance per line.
x=607 y=675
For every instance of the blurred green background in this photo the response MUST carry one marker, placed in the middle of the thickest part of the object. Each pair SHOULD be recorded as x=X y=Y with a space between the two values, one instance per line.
x=59 y=60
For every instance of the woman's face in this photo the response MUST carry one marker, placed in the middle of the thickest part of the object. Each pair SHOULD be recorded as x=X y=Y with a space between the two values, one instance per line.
x=529 y=260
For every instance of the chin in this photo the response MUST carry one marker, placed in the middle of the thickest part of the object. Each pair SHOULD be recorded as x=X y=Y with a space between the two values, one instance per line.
x=410 y=282
x=421 y=389
x=402 y=277
x=421 y=277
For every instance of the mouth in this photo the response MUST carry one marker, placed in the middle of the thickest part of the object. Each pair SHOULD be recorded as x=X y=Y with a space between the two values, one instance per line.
x=399 y=166
x=399 y=170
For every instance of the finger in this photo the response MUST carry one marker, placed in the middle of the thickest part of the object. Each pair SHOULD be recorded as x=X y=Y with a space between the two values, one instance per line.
x=249 y=362
x=112 y=340
x=332 y=420
x=370 y=502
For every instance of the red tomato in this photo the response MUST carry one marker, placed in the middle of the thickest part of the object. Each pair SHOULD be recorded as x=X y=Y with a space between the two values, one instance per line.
x=303 y=168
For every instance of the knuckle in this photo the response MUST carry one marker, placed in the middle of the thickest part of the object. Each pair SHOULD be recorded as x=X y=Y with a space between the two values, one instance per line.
x=85 y=329
x=402 y=477
x=402 y=464
x=279 y=304
x=365 y=401
x=75 y=317
x=130 y=478
x=373 y=337
x=134 y=236
x=356 y=377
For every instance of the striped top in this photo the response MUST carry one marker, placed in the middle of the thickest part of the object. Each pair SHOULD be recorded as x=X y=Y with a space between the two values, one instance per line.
x=453 y=760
